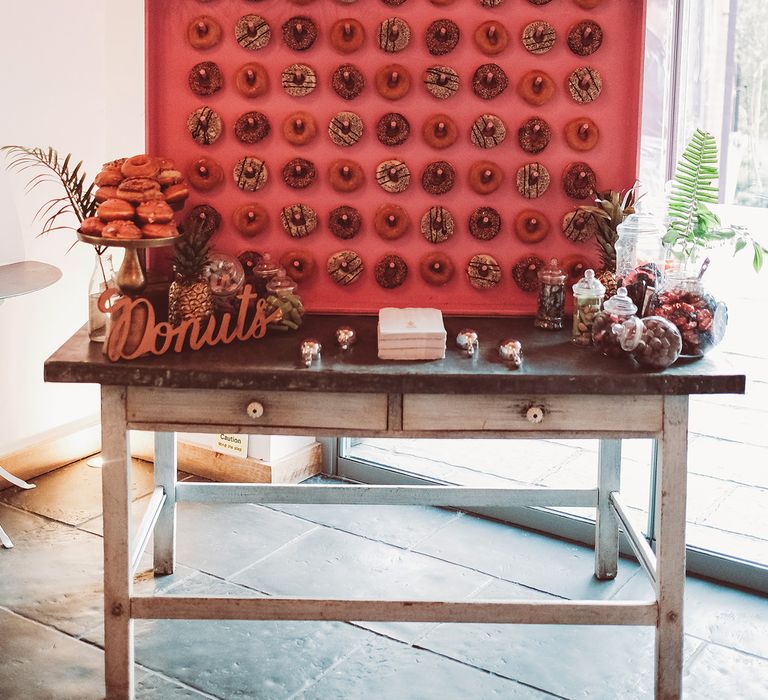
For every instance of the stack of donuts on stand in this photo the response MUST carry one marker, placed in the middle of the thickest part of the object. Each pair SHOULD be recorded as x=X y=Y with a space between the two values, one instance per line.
x=137 y=198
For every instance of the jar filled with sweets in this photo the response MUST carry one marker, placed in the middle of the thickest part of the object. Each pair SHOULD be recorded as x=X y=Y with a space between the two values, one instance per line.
x=551 y=297
x=262 y=272
x=653 y=342
x=607 y=324
x=226 y=278
x=588 y=295
x=640 y=256
x=685 y=300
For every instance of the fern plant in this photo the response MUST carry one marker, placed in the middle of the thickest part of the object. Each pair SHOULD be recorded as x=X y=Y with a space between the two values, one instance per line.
x=46 y=166
x=693 y=226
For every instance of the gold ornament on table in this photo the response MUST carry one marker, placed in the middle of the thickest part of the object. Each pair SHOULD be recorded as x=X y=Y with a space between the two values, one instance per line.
x=612 y=207
x=190 y=296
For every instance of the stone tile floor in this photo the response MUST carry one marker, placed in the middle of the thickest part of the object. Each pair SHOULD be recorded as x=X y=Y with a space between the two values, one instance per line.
x=50 y=599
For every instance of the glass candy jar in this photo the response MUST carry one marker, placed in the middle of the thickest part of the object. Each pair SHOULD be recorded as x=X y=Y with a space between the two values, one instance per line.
x=653 y=342
x=639 y=255
x=684 y=300
x=588 y=295
x=281 y=285
x=226 y=278
x=607 y=324
x=263 y=272
x=551 y=297
x=102 y=277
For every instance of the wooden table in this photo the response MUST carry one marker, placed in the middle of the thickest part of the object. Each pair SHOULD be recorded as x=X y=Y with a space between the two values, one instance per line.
x=262 y=387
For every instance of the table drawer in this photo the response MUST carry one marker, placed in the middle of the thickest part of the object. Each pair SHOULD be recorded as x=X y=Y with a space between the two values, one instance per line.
x=498 y=412
x=258 y=408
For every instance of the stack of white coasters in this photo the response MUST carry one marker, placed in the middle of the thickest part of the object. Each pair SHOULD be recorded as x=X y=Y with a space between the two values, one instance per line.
x=411 y=334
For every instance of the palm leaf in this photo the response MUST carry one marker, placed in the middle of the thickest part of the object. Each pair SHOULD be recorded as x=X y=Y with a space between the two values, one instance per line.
x=78 y=200
x=692 y=189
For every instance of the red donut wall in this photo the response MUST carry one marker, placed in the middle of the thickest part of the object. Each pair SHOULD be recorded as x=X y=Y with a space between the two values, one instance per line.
x=170 y=101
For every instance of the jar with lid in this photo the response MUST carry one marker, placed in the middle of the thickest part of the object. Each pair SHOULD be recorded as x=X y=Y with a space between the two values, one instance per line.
x=226 y=279
x=684 y=298
x=551 y=297
x=607 y=324
x=262 y=272
x=281 y=285
x=653 y=342
x=588 y=295
x=640 y=255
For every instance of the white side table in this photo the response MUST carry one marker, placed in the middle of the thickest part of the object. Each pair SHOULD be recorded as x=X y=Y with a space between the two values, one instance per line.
x=17 y=279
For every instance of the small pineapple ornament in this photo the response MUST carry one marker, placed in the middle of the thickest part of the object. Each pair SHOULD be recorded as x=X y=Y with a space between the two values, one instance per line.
x=611 y=210
x=190 y=296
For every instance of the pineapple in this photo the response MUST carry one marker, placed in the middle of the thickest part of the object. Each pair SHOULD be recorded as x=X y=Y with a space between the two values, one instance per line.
x=190 y=295
x=611 y=210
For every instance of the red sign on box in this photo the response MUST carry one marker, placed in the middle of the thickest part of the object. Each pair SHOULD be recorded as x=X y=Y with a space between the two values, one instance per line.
x=297 y=46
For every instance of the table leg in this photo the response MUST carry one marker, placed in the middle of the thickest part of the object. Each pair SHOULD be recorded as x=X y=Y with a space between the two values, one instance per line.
x=607 y=525
x=165 y=528
x=116 y=496
x=670 y=547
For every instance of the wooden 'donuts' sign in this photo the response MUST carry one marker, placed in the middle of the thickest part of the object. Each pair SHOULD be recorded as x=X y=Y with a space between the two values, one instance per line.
x=134 y=330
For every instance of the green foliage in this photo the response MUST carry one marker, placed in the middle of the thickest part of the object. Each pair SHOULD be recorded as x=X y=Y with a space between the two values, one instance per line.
x=191 y=255
x=692 y=224
x=46 y=166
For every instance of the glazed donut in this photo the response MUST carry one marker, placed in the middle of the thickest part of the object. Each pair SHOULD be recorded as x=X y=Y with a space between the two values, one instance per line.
x=116 y=210
x=169 y=176
x=347 y=35
x=126 y=230
x=345 y=222
x=249 y=259
x=204 y=32
x=574 y=267
x=204 y=174
x=111 y=177
x=159 y=230
x=391 y=221
x=252 y=80
x=299 y=264
x=536 y=87
x=345 y=175
x=92 y=226
x=299 y=128
x=104 y=193
x=436 y=269
x=393 y=81
x=176 y=195
x=205 y=216
x=154 y=212
x=250 y=219
x=440 y=131
x=531 y=226
x=525 y=272
x=141 y=166
x=485 y=176
x=588 y=4
x=491 y=37
x=582 y=134
x=139 y=189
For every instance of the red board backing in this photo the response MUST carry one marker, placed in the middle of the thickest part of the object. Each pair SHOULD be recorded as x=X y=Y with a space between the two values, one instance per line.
x=170 y=101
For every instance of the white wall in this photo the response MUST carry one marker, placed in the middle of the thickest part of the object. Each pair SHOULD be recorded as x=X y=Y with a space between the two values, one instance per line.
x=57 y=58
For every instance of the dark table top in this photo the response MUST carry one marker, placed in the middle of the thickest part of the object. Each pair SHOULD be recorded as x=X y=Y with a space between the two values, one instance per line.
x=552 y=365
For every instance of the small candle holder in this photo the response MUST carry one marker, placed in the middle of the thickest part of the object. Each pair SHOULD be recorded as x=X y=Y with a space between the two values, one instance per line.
x=346 y=337
x=310 y=350
x=511 y=351
x=467 y=340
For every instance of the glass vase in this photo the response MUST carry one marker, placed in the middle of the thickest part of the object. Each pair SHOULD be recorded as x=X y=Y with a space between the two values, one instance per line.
x=102 y=277
x=684 y=299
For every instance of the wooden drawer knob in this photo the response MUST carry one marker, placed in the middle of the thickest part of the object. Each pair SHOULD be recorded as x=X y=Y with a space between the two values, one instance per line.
x=535 y=414
x=255 y=410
